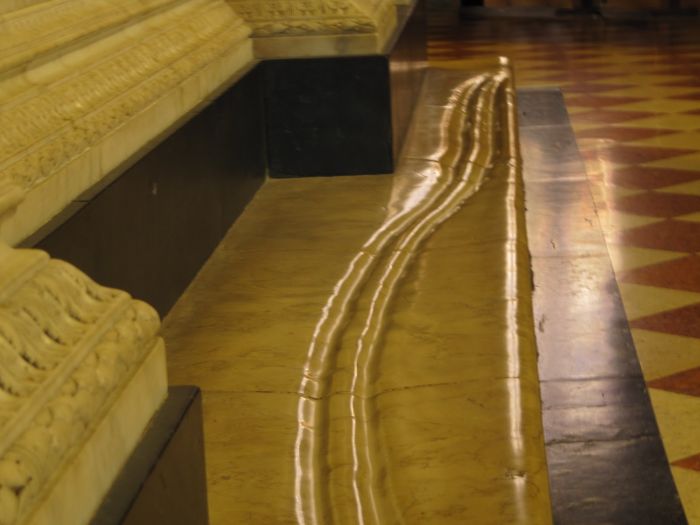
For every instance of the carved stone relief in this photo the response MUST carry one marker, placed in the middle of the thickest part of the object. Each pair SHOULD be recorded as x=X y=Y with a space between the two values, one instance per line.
x=300 y=28
x=100 y=81
x=68 y=349
x=86 y=84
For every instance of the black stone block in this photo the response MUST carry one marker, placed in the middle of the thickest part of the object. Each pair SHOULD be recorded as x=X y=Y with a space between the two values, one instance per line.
x=328 y=116
x=345 y=115
x=164 y=479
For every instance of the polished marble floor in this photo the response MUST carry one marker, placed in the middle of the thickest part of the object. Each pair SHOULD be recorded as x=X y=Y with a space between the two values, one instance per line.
x=633 y=96
x=293 y=437
x=365 y=344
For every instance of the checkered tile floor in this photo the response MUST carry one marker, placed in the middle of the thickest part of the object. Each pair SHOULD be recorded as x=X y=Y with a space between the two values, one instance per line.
x=633 y=95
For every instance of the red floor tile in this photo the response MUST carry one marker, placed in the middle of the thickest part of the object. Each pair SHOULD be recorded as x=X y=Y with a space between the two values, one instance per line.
x=687 y=96
x=689 y=83
x=451 y=55
x=598 y=101
x=674 y=235
x=679 y=71
x=582 y=76
x=650 y=178
x=686 y=382
x=657 y=204
x=582 y=48
x=679 y=274
x=580 y=56
x=557 y=61
x=609 y=117
x=594 y=88
x=692 y=462
x=686 y=58
x=682 y=321
x=656 y=61
x=622 y=134
x=622 y=154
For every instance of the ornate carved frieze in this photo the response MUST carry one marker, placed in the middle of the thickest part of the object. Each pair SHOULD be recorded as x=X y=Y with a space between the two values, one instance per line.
x=54 y=25
x=68 y=350
x=305 y=18
x=297 y=28
x=86 y=84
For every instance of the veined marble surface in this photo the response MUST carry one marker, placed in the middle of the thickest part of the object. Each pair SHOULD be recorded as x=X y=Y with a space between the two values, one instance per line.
x=365 y=344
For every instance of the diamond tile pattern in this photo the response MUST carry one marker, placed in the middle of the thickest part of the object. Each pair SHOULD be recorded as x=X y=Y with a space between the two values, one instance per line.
x=687 y=96
x=633 y=92
x=620 y=133
x=693 y=463
x=679 y=274
x=682 y=321
x=595 y=88
x=686 y=382
x=620 y=154
x=609 y=116
x=646 y=178
x=658 y=204
x=677 y=236
x=600 y=101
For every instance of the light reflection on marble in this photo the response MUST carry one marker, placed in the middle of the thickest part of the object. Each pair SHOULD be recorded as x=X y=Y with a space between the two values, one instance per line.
x=418 y=399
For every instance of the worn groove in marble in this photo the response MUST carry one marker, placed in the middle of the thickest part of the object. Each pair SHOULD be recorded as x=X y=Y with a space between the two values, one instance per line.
x=632 y=91
x=365 y=344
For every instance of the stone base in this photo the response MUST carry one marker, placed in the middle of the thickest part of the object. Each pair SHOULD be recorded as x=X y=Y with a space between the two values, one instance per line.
x=345 y=115
x=84 y=482
x=164 y=480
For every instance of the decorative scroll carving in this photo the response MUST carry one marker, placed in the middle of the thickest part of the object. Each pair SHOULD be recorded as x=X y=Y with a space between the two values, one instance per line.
x=67 y=348
x=131 y=56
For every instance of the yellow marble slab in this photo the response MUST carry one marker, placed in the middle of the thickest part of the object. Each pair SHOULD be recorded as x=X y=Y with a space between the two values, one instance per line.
x=352 y=375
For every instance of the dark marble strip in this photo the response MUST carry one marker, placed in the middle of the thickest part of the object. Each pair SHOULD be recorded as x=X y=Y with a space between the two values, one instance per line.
x=164 y=478
x=345 y=115
x=606 y=459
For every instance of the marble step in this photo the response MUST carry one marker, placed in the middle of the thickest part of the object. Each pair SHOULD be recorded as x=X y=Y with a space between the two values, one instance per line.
x=365 y=344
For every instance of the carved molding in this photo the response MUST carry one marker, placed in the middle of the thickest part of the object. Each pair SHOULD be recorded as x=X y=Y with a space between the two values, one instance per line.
x=281 y=18
x=102 y=80
x=359 y=26
x=68 y=347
